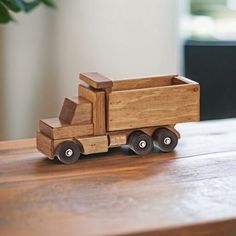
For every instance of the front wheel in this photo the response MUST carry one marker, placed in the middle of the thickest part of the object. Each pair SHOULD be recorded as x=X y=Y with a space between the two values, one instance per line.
x=68 y=152
x=165 y=139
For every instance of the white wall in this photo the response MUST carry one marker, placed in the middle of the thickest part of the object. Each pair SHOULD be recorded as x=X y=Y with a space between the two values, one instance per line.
x=117 y=37
x=45 y=51
x=26 y=75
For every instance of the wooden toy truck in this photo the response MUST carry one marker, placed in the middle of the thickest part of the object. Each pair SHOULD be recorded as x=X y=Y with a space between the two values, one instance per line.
x=138 y=112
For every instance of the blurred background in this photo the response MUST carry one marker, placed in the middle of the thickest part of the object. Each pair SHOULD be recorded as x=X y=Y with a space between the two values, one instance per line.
x=42 y=54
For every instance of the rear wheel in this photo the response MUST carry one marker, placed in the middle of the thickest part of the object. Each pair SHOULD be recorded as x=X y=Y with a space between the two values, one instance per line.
x=165 y=139
x=140 y=143
x=68 y=152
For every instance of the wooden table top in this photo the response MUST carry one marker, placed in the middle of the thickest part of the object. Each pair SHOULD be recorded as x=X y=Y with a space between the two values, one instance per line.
x=191 y=191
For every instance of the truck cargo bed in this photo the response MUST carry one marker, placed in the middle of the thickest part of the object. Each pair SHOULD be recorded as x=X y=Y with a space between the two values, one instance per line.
x=152 y=101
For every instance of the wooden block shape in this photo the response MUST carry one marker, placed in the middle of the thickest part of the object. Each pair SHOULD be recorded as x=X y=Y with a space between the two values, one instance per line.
x=153 y=106
x=97 y=98
x=54 y=128
x=117 y=139
x=76 y=110
x=44 y=144
x=95 y=144
x=96 y=80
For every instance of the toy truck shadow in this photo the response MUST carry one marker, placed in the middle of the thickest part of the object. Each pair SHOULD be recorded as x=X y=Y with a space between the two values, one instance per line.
x=140 y=113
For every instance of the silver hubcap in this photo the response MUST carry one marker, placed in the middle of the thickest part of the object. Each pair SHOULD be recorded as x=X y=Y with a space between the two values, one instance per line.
x=167 y=141
x=68 y=152
x=142 y=144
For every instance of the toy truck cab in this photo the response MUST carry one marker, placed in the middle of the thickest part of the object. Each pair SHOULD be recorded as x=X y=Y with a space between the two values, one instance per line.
x=139 y=112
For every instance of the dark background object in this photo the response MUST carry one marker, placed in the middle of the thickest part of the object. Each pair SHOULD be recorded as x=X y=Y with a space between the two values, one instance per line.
x=213 y=65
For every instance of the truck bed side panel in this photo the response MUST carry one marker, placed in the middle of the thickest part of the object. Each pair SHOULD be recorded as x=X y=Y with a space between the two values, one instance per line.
x=153 y=106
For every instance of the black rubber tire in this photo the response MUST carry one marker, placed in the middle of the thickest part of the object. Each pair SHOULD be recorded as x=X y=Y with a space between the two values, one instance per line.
x=161 y=138
x=135 y=141
x=73 y=154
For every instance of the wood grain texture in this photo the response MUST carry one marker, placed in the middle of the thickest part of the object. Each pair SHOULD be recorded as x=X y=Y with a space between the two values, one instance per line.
x=189 y=192
x=139 y=83
x=76 y=110
x=57 y=129
x=153 y=106
x=96 y=144
x=96 y=80
x=98 y=100
x=49 y=146
x=45 y=144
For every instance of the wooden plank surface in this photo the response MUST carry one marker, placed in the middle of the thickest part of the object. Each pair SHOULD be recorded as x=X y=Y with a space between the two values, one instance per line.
x=153 y=106
x=191 y=191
